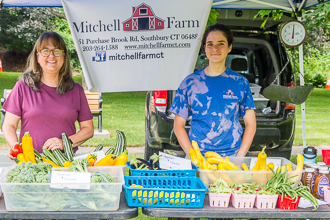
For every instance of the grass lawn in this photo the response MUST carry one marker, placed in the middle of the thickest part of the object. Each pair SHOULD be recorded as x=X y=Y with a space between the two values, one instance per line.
x=317 y=119
x=125 y=111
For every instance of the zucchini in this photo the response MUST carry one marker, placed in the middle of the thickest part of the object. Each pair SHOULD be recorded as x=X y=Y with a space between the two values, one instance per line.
x=60 y=157
x=16 y=160
x=67 y=145
x=98 y=148
x=37 y=154
x=111 y=150
x=121 y=143
x=50 y=156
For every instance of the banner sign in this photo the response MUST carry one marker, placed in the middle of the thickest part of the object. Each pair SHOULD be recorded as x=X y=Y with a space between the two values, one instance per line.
x=135 y=45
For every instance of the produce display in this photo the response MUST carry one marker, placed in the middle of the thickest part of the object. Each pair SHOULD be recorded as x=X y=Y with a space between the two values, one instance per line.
x=28 y=186
x=213 y=166
x=31 y=195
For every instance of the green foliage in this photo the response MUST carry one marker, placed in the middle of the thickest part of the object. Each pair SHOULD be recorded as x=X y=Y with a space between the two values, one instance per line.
x=316 y=67
x=275 y=14
x=21 y=27
x=212 y=17
x=62 y=28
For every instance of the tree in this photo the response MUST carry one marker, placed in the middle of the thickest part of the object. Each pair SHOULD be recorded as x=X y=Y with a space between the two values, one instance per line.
x=21 y=27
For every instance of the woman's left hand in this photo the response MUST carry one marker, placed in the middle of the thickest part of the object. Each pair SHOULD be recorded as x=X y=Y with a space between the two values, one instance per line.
x=54 y=143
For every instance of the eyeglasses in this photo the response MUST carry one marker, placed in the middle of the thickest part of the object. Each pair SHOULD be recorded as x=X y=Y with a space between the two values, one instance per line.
x=46 y=52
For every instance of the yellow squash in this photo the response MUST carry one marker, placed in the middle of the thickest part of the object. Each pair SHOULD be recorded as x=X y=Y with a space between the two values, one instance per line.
x=122 y=159
x=261 y=164
x=192 y=155
x=270 y=167
x=21 y=158
x=196 y=148
x=27 y=146
x=212 y=154
x=244 y=166
x=300 y=162
x=106 y=161
x=44 y=160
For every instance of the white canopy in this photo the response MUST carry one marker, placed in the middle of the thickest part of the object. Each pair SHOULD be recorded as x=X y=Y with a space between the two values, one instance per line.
x=287 y=5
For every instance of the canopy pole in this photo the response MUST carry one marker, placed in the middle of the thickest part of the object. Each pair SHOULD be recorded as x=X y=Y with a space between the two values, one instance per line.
x=292 y=6
x=301 y=69
x=224 y=2
x=301 y=5
x=270 y=4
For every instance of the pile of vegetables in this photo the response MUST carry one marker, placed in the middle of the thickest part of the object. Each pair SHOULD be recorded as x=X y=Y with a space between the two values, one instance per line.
x=213 y=160
x=115 y=156
x=282 y=184
x=141 y=164
x=220 y=186
x=151 y=164
x=33 y=167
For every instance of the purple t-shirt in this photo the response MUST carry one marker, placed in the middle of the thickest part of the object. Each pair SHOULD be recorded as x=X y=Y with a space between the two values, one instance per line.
x=45 y=114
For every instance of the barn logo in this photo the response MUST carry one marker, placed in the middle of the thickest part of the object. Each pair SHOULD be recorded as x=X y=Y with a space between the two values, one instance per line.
x=230 y=95
x=143 y=18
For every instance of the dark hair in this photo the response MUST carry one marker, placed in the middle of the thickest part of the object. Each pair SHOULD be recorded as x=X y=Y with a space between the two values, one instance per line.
x=218 y=27
x=32 y=75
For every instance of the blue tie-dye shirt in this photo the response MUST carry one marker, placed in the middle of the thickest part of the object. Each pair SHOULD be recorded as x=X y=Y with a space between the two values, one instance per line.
x=215 y=104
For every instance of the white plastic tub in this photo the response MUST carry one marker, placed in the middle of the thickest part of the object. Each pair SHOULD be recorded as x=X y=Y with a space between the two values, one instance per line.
x=5 y=162
x=208 y=177
x=255 y=89
x=40 y=197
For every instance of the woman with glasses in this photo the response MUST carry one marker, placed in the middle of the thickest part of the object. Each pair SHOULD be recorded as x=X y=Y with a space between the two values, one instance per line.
x=215 y=97
x=47 y=100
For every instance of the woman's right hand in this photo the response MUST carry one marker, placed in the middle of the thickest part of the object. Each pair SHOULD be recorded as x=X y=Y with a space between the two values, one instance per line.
x=9 y=155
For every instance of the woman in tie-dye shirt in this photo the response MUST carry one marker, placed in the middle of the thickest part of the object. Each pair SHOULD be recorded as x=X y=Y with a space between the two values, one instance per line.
x=215 y=97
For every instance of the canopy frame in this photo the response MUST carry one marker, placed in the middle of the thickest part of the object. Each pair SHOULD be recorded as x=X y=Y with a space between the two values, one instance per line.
x=258 y=2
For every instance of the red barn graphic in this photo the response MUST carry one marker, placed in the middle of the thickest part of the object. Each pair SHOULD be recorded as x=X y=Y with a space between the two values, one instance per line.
x=143 y=18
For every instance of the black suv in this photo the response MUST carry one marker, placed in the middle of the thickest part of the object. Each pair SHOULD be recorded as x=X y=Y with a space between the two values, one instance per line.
x=258 y=55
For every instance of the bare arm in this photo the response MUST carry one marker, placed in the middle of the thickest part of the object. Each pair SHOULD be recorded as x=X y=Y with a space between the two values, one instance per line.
x=86 y=131
x=181 y=134
x=9 y=128
x=250 y=130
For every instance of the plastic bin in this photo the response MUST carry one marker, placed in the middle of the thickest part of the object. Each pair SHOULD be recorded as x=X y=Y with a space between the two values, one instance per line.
x=266 y=201
x=182 y=173
x=40 y=197
x=220 y=200
x=255 y=89
x=165 y=192
x=287 y=203
x=327 y=194
x=243 y=201
x=5 y=162
x=208 y=177
x=326 y=156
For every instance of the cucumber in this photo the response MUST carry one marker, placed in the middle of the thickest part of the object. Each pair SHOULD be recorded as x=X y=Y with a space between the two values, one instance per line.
x=121 y=143
x=37 y=154
x=98 y=148
x=67 y=145
x=111 y=150
x=60 y=157
x=50 y=156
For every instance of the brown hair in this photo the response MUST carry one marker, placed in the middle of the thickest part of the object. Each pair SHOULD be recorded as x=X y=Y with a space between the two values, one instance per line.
x=218 y=27
x=32 y=75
